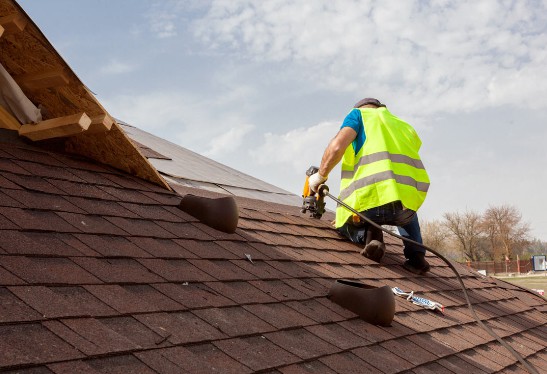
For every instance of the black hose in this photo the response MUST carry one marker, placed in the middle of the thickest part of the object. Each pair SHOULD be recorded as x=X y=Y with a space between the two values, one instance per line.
x=531 y=369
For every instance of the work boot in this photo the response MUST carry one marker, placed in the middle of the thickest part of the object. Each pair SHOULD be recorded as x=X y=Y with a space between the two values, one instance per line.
x=374 y=250
x=417 y=264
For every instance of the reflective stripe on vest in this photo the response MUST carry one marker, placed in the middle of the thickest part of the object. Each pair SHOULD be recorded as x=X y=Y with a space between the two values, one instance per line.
x=379 y=156
x=379 y=177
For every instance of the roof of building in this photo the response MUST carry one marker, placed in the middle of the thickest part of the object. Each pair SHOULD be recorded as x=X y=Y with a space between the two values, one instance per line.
x=71 y=115
x=100 y=272
x=182 y=167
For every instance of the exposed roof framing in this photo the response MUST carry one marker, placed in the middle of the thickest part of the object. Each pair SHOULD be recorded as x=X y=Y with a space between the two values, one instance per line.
x=13 y=23
x=70 y=110
x=43 y=79
x=56 y=127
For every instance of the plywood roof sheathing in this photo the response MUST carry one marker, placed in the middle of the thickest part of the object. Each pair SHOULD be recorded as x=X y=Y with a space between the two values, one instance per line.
x=115 y=148
x=56 y=127
x=43 y=79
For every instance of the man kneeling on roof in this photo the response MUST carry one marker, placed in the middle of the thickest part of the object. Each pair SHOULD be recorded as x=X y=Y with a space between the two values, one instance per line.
x=382 y=177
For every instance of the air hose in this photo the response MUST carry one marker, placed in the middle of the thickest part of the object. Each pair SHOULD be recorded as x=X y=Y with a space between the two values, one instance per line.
x=323 y=191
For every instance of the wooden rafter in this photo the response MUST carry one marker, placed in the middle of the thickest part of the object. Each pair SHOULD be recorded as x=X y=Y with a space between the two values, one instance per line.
x=100 y=123
x=13 y=23
x=57 y=127
x=43 y=79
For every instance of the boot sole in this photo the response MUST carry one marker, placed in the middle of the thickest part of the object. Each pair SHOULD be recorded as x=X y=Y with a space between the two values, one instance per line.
x=379 y=246
x=414 y=270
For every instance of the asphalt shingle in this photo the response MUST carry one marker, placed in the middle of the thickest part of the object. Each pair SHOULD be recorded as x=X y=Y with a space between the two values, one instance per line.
x=100 y=272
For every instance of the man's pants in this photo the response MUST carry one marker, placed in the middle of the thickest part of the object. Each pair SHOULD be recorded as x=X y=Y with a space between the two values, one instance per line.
x=392 y=214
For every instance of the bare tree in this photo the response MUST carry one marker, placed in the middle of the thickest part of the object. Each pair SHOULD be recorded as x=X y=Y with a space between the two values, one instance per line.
x=434 y=234
x=535 y=247
x=490 y=231
x=467 y=230
x=484 y=249
x=506 y=231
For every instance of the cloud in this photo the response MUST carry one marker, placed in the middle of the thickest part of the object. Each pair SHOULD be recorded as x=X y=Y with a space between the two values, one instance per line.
x=283 y=158
x=162 y=19
x=114 y=67
x=162 y=24
x=295 y=148
x=165 y=17
x=150 y=111
x=448 y=56
x=228 y=141
x=188 y=118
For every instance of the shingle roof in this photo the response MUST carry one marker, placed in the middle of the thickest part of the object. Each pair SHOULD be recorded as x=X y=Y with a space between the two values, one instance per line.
x=101 y=273
x=181 y=166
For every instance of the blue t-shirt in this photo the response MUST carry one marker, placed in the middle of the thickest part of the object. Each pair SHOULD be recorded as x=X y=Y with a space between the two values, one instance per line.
x=355 y=121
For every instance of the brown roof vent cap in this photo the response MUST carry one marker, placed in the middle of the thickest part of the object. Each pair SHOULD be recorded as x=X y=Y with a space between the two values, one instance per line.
x=376 y=305
x=221 y=214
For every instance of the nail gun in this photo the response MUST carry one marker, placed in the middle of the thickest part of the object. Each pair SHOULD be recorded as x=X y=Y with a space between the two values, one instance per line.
x=313 y=202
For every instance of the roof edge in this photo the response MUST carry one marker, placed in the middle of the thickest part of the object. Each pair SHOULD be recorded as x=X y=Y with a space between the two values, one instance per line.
x=31 y=55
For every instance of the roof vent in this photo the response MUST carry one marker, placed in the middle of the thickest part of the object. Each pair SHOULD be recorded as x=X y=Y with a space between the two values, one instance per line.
x=375 y=305
x=221 y=214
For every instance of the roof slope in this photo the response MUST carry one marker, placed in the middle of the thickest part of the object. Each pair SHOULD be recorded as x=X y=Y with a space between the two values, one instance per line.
x=42 y=76
x=181 y=166
x=101 y=273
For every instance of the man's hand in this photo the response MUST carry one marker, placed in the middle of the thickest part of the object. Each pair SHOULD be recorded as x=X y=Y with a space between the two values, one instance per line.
x=315 y=181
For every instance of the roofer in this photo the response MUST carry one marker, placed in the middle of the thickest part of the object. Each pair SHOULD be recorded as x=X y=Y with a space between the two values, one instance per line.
x=382 y=177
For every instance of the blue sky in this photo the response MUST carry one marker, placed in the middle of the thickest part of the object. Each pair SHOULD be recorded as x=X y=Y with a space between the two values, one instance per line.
x=262 y=86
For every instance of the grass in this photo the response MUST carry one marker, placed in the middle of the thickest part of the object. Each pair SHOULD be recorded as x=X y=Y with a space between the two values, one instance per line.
x=537 y=282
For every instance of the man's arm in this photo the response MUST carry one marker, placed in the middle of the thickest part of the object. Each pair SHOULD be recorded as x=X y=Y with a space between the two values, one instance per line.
x=335 y=150
x=332 y=156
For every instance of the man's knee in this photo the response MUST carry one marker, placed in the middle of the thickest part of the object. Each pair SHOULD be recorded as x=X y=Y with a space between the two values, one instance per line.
x=353 y=233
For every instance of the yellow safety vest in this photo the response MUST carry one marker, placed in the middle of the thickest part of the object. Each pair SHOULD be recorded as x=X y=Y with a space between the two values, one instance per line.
x=387 y=168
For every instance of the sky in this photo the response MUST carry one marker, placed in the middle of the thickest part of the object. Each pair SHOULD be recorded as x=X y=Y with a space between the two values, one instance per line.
x=263 y=85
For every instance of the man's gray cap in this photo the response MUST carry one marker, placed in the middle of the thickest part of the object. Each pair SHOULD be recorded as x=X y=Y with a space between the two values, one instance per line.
x=368 y=100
